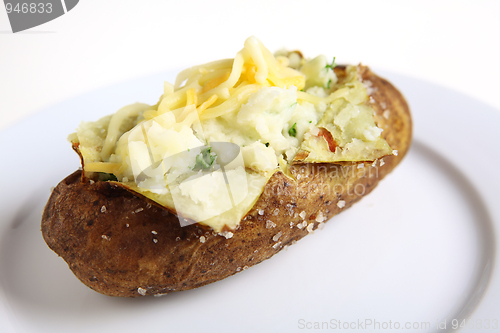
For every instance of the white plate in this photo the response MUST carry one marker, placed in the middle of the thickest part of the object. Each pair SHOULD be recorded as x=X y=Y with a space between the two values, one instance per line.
x=420 y=249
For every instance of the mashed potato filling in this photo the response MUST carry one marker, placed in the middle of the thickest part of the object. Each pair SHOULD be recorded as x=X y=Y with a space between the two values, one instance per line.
x=208 y=147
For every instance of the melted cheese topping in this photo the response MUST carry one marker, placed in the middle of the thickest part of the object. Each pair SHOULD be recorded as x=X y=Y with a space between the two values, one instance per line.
x=255 y=102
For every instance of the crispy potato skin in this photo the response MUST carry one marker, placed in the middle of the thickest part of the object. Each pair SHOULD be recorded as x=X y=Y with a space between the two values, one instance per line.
x=118 y=244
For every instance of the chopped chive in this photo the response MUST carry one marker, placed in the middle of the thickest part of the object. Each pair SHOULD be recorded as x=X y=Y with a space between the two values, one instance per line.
x=205 y=159
x=293 y=131
x=332 y=65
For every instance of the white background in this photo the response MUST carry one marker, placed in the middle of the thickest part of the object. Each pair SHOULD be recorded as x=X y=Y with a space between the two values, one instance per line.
x=98 y=43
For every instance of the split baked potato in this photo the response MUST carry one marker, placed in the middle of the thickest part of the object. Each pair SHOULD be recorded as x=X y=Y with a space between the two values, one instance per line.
x=125 y=235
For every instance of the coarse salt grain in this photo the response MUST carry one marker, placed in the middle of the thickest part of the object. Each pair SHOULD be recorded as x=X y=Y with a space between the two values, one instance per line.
x=155 y=240
x=202 y=239
x=382 y=162
x=148 y=205
x=361 y=165
x=245 y=267
x=310 y=227
x=275 y=246
x=270 y=224
x=227 y=234
x=321 y=226
x=261 y=212
x=106 y=237
x=341 y=204
x=103 y=209
x=154 y=232
x=141 y=291
x=395 y=152
x=374 y=164
x=277 y=236
x=138 y=210
x=301 y=225
x=160 y=295
x=320 y=217
x=127 y=225
x=238 y=269
x=276 y=212
x=177 y=239
x=291 y=224
x=386 y=114
x=302 y=214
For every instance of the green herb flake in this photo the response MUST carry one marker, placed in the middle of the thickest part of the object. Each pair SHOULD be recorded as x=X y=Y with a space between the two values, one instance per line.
x=332 y=65
x=107 y=177
x=328 y=84
x=293 y=131
x=205 y=159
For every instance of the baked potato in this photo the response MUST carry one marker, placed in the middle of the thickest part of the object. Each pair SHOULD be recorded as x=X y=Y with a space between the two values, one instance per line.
x=121 y=239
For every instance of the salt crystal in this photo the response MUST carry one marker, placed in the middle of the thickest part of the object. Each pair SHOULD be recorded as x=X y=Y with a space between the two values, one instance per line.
x=320 y=217
x=202 y=239
x=270 y=224
x=141 y=291
x=277 y=236
x=341 y=204
x=227 y=234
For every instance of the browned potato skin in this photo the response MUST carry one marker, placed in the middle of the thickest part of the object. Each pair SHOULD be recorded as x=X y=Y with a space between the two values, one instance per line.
x=113 y=250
